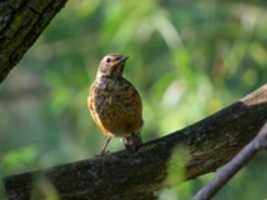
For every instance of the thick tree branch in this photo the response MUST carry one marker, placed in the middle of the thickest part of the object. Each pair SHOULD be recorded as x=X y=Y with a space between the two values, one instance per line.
x=21 y=22
x=231 y=168
x=209 y=144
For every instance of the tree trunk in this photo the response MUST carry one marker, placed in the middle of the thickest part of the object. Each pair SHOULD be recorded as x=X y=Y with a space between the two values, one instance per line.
x=21 y=22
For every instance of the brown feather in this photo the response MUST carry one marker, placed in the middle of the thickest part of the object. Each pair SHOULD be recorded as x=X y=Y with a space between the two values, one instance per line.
x=116 y=107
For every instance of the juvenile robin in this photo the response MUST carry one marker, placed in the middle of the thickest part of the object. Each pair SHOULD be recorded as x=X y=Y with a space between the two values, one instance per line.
x=115 y=104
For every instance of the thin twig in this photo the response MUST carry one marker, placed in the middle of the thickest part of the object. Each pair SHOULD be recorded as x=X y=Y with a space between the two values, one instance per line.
x=231 y=168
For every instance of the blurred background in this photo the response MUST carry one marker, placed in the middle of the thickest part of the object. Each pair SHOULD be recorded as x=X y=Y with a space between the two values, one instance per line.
x=188 y=59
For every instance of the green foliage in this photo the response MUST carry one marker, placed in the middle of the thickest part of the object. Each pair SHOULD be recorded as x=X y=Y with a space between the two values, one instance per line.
x=188 y=59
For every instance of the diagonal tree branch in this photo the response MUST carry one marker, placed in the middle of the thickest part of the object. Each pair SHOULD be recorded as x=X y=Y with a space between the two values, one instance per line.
x=231 y=168
x=21 y=22
x=210 y=143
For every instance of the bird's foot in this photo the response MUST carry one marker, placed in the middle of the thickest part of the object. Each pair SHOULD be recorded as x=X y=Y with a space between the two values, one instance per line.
x=103 y=153
x=133 y=142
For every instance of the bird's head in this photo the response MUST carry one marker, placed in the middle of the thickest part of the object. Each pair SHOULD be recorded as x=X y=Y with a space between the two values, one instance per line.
x=111 y=65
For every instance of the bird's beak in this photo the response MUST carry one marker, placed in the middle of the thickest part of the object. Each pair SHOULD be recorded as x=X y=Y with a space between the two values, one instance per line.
x=121 y=63
x=123 y=59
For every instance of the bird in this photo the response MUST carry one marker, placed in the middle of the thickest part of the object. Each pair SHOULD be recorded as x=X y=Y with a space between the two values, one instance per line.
x=115 y=104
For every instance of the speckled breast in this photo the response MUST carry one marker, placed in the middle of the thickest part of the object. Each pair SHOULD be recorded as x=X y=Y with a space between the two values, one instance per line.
x=116 y=106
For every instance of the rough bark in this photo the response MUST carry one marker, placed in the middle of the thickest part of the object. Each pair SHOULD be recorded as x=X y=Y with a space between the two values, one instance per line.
x=207 y=145
x=21 y=22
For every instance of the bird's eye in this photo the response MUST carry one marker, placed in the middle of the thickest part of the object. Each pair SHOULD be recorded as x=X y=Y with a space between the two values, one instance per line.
x=108 y=60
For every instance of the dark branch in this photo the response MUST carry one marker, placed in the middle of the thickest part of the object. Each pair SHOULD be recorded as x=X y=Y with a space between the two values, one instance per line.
x=209 y=144
x=21 y=22
x=231 y=168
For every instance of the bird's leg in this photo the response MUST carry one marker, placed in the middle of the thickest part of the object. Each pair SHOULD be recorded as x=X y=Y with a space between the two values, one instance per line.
x=133 y=142
x=103 y=149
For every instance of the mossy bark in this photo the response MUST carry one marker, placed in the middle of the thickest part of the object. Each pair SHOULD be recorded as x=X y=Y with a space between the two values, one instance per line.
x=21 y=22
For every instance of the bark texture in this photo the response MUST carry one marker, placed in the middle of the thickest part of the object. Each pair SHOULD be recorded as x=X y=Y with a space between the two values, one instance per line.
x=21 y=22
x=202 y=148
